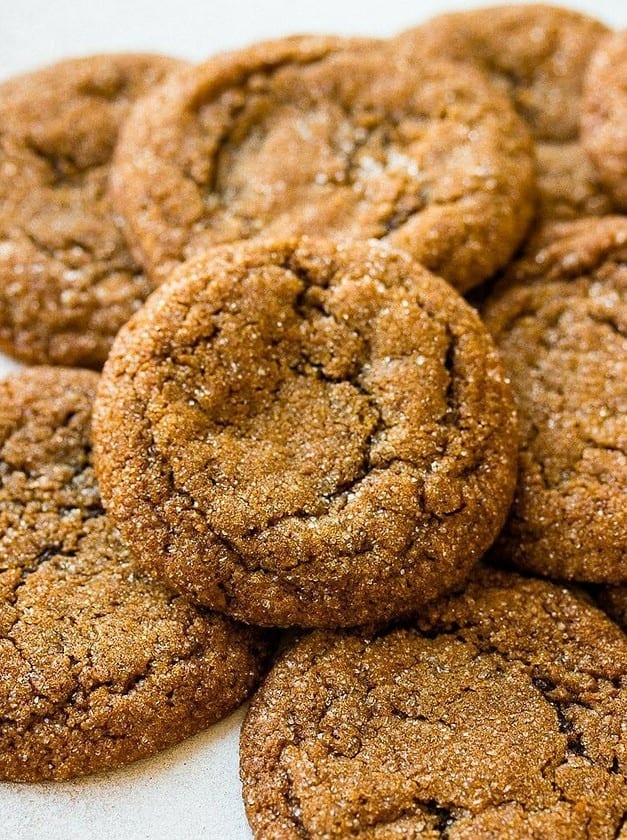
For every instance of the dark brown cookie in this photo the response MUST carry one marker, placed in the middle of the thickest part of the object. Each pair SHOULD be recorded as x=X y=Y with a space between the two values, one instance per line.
x=604 y=117
x=559 y=319
x=67 y=279
x=330 y=138
x=499 y=714
x=537 y=55
x=98 y=665
x=306 y=433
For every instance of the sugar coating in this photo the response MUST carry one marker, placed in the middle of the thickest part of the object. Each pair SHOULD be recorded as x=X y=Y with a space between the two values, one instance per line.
x=99 y=666
x=559 y=319
x=499 y=713
x=327 y=137
x=308 y=433
x=537 y=55
x=67 y=279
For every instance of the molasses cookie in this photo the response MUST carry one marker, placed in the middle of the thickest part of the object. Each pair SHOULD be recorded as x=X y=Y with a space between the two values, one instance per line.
x=332 y=138
x=559 y=319
x=99 y=666
x=537 y=55
x=604 y=118
x=306 y=433
x=497 y=714
x=67 y=279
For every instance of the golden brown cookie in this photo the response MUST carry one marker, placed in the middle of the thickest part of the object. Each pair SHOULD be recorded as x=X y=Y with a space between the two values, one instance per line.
x=67 y=279
x=500 y=713
x=98 y=665
x=330 y=138
x=559 y=319
x=604 y=116
x=306 y=433
x=537 y=55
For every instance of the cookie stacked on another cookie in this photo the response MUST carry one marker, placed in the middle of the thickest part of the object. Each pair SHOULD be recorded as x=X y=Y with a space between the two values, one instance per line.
x=99 y=665
x=538 y=56
x=328 y=138
x=559 y=319
x=306 y=433
x=319 y=432
x=499 y=712
x=67 y=279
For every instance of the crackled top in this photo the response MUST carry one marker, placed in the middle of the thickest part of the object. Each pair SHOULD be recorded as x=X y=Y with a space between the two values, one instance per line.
x=500 y=713
x=327 y=137
x=98 y=665
x=306 y=433
x=67 y=279
x=559 y=319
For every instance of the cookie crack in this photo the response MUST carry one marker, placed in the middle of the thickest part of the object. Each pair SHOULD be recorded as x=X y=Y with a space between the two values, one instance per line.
x=60 y=710
x=269 y=69
x=63 y=167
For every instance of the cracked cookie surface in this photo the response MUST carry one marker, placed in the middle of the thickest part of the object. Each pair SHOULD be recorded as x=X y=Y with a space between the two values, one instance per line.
x=537 y=55
x=559 y=319
x=329 y=138
x=604 y=117
x=98 y=665
x=67 y=279
x=497 y=713
x=306 y=433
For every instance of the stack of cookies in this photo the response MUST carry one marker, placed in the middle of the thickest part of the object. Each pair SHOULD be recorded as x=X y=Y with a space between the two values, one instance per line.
x=301 y=423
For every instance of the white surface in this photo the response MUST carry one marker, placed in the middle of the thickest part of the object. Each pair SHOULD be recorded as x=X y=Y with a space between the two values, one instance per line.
x=191 y=791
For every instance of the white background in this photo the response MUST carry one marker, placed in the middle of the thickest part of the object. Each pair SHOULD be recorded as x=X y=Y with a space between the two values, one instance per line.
x=191 y=791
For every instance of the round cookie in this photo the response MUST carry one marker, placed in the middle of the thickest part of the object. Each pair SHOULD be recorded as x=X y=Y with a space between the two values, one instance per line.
x=67 y=279
x=100 y=666
x=497 y=714
x=306 y=433
x=537 y=55
x=604 y=117
x=559 y=319
x=331 y=138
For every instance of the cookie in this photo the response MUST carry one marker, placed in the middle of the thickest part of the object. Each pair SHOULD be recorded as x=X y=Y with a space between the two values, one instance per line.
x=537 y=55
x=569 y=186
x=604 y=117
x=99 y=666
x=559 y=319
x=306 y=433
x=497 y=714
x=67 y=279
x=613 y=599
x=329 y=138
